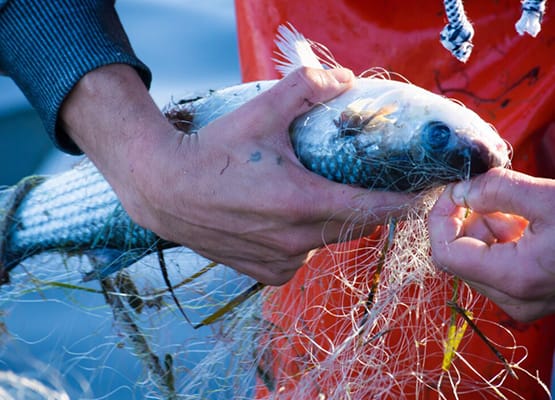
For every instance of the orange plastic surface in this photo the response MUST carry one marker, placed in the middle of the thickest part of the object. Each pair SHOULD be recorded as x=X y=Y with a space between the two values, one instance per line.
x=509 y=80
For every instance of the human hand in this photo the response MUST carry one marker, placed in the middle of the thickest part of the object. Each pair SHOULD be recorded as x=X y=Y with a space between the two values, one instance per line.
x=235 y=192
x=509 y=258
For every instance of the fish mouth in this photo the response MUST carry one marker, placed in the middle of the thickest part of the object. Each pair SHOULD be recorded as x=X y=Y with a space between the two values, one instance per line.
x=475 y=158
x=484 y=157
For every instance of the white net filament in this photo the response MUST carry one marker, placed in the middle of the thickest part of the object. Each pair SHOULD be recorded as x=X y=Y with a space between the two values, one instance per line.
x=338 y=331
x=366 y=319
x=339 y=344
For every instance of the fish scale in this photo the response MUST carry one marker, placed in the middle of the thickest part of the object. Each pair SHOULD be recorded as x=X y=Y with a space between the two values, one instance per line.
x=76 y=211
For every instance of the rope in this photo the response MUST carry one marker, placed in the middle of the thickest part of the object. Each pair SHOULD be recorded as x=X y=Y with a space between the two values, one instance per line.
x=532 y=15
x=457 y=35
x=9 y=202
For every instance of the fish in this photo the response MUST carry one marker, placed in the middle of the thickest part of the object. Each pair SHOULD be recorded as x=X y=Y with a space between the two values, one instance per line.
x=382 y=134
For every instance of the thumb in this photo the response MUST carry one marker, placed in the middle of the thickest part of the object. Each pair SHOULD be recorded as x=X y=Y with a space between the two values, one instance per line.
x=501 y=190
x=301 y=90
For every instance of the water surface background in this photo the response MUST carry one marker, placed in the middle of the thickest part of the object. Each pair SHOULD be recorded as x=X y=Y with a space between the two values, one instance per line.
x=190 y=46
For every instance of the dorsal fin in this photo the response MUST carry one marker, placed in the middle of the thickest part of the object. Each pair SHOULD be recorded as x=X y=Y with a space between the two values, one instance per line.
x=294 y=51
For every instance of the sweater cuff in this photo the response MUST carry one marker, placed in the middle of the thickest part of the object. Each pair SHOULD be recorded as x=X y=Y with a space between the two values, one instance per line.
x=47 y=46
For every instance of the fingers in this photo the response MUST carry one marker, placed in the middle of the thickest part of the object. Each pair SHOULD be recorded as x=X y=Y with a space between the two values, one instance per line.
x=267 y=266
x=489 y=228
x=299 y=91
x=304 y=88
x=445 y=225
x=373 y=206
x=332 y=204
x=523 y=310
x=495 y=227
x=505 y=272
x=506 y=191
x=275 y=273
x=471 y=258
x=472 y=248
x=486 y=250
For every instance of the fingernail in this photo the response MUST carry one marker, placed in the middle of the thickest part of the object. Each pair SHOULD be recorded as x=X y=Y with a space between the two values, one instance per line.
x=460 y=193
x=343 y=75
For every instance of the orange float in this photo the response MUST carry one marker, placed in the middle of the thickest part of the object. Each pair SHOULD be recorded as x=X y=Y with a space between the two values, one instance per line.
x=509 y=80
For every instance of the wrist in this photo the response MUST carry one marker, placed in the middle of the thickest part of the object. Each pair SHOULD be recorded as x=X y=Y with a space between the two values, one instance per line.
x=110 y=115
x=110 y=105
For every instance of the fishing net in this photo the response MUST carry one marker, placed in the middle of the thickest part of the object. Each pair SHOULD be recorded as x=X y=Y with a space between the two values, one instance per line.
x=370 y=318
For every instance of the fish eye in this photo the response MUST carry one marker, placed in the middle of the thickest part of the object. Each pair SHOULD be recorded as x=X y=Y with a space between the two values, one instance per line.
x=437 y=135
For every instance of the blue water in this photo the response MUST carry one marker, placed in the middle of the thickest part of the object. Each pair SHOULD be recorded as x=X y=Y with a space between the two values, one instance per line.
x=189 y=46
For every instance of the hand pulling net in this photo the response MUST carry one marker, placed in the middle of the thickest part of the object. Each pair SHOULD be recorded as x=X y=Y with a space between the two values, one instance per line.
x=372 y=318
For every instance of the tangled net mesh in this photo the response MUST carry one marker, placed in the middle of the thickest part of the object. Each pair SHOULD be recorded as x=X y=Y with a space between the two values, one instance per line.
x=374 y=322
x=370 y=318
x=367 y=319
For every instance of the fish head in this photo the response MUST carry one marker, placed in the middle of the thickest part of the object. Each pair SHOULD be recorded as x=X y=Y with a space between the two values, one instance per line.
x=409 y=139
x=454 y=135
x=387 y=134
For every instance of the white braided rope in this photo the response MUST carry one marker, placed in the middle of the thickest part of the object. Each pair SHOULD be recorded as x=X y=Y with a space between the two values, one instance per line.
x=457 y=35
x=532 y=15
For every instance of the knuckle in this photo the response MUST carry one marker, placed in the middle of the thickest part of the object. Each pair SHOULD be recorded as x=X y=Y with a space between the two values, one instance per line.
x=310 y=83
x=439 y=258
x=292 y=246
x=278 y=280
x=281 y=270
x=295 y=206
x=138 y=215
x=517 y=314
x=487 y=186
x=314 y=83
x=518 y=291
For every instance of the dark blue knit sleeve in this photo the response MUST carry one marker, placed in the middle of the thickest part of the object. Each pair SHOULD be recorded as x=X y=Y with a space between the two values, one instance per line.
x=47 y=46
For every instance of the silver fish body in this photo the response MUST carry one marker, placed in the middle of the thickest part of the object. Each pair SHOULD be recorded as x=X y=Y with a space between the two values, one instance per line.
x=391 y=135
x=76 y=212
x=381 y=134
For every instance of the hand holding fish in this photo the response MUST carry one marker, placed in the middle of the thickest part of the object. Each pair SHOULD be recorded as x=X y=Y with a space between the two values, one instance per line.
x=510 y=258
x=252 y=176
x=236 y=193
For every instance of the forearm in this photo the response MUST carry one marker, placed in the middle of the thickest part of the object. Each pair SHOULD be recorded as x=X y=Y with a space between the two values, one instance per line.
x=46 y=47
x=110 y=115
